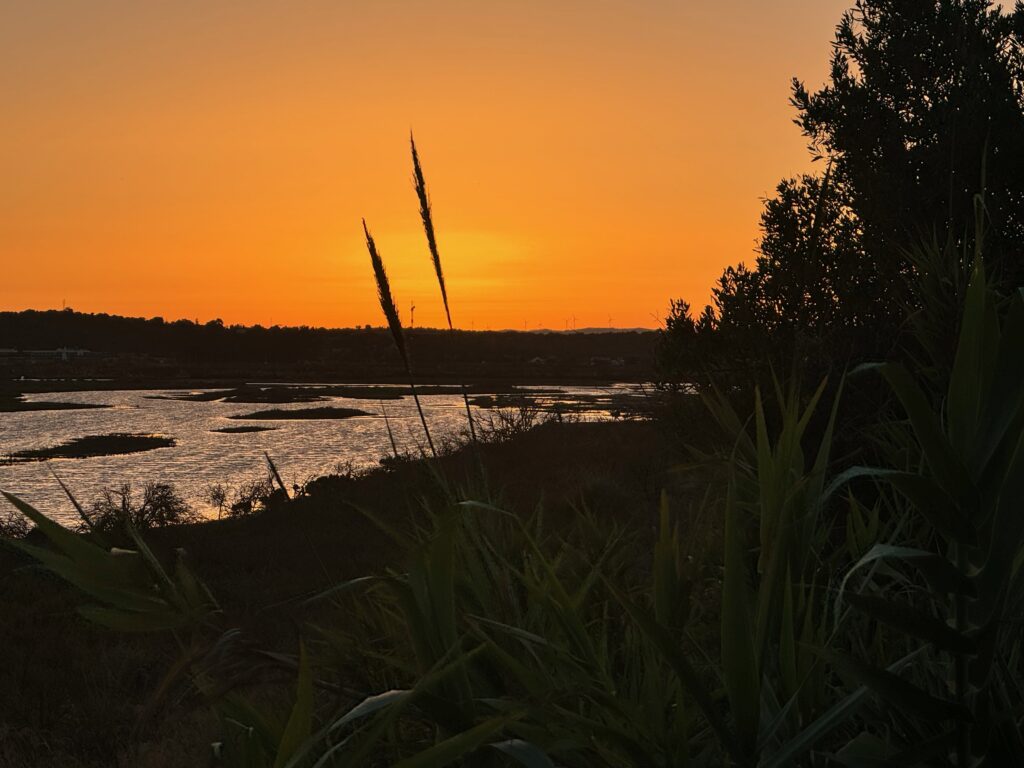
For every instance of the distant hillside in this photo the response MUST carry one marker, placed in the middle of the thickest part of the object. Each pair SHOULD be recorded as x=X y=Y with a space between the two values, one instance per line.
x=139 y=348
x=601 y=330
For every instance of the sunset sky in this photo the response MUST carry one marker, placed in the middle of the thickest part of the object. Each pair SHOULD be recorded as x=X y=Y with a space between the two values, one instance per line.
x=202 y=159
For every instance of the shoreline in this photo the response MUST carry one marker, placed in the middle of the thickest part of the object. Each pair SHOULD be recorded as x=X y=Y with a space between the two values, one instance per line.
x=478 y=385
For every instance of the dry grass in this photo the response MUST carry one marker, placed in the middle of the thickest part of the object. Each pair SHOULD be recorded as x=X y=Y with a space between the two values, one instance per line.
x=387 y=305
x=428 y=228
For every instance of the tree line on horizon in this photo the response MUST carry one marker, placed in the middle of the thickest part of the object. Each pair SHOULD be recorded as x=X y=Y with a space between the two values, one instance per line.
x=214 y=348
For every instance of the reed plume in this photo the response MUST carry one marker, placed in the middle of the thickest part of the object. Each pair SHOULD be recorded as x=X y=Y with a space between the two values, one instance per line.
x=387 y=305
x=428 y=227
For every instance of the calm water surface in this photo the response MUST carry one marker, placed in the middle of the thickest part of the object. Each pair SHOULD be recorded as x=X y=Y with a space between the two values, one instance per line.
x=301 y=448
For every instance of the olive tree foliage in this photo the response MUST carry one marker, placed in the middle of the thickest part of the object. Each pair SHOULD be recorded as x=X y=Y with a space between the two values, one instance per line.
x=923 y=108
x=804 y=291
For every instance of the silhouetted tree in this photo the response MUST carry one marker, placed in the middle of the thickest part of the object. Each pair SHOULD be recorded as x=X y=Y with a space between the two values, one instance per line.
x=924 y=107
x=684 y=344
x=160 y=505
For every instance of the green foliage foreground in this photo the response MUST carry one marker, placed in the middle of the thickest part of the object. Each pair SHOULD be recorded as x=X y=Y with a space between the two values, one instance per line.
x=861 y=616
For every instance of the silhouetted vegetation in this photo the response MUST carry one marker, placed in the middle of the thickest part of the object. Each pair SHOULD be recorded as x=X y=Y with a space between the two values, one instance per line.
x=243 y=429
x=154 y=353
x=310 y=393
x=12 y=404
x=427 y=216
x=805 y=590
x=326 y=412
x=159 y=505
x=387 y=306
x=846 y=598
x=14 y=525
x=924 y=107
x=249 y=497
x=94 y=445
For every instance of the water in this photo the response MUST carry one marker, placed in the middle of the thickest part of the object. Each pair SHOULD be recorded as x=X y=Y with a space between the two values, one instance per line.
x=302 y=449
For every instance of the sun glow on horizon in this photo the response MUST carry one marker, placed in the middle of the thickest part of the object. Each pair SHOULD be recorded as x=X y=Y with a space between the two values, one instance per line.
x=213 y=161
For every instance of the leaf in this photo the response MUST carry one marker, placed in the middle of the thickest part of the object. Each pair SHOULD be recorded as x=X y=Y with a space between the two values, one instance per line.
x=1007 y=536
x=238 y=711
x=836 y=715
x=910 y=621
x=371 y=704
x=927 y=496
x=300 y=722
x=942 y=576
x=787 y=642
x=895 y=690
x=739 y=656
x=612 y=732
x=132 y=621
x=156 y=569
x=966 y=381
x=946 y=466
x=195 y=593
x=1006 y=395
x=366 y=741
x=673 y=654
x=524 y=753
x=457 y=746
x=865 y=750
x=821 y=460
x=341 y=587
x=73 y=546
x=535 y=683
x=666 y=568
x=100 y=540
x=520 y=634
x=102 y=586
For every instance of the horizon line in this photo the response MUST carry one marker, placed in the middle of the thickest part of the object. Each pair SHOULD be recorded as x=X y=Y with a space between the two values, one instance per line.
x=356 y=327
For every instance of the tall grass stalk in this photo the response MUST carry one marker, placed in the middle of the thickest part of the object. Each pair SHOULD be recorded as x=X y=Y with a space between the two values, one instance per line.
x=276 y=475
x=387 y=305
x=387 y=424
x=428 y=228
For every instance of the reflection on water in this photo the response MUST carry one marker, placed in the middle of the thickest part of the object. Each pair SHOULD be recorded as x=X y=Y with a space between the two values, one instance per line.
x=201 y=457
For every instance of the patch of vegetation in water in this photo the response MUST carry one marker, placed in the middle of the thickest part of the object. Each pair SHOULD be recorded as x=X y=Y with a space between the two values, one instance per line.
x=94 y=445
x=327 y=412
x=286 y=393
x=18 y=404
x=274 y=395
x=312 y=393
x=515 y=400
x=243 y=429
x=619 y=404
x=193 y=397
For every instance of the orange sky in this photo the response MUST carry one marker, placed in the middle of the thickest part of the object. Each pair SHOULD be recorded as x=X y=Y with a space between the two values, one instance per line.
x=200 y=159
